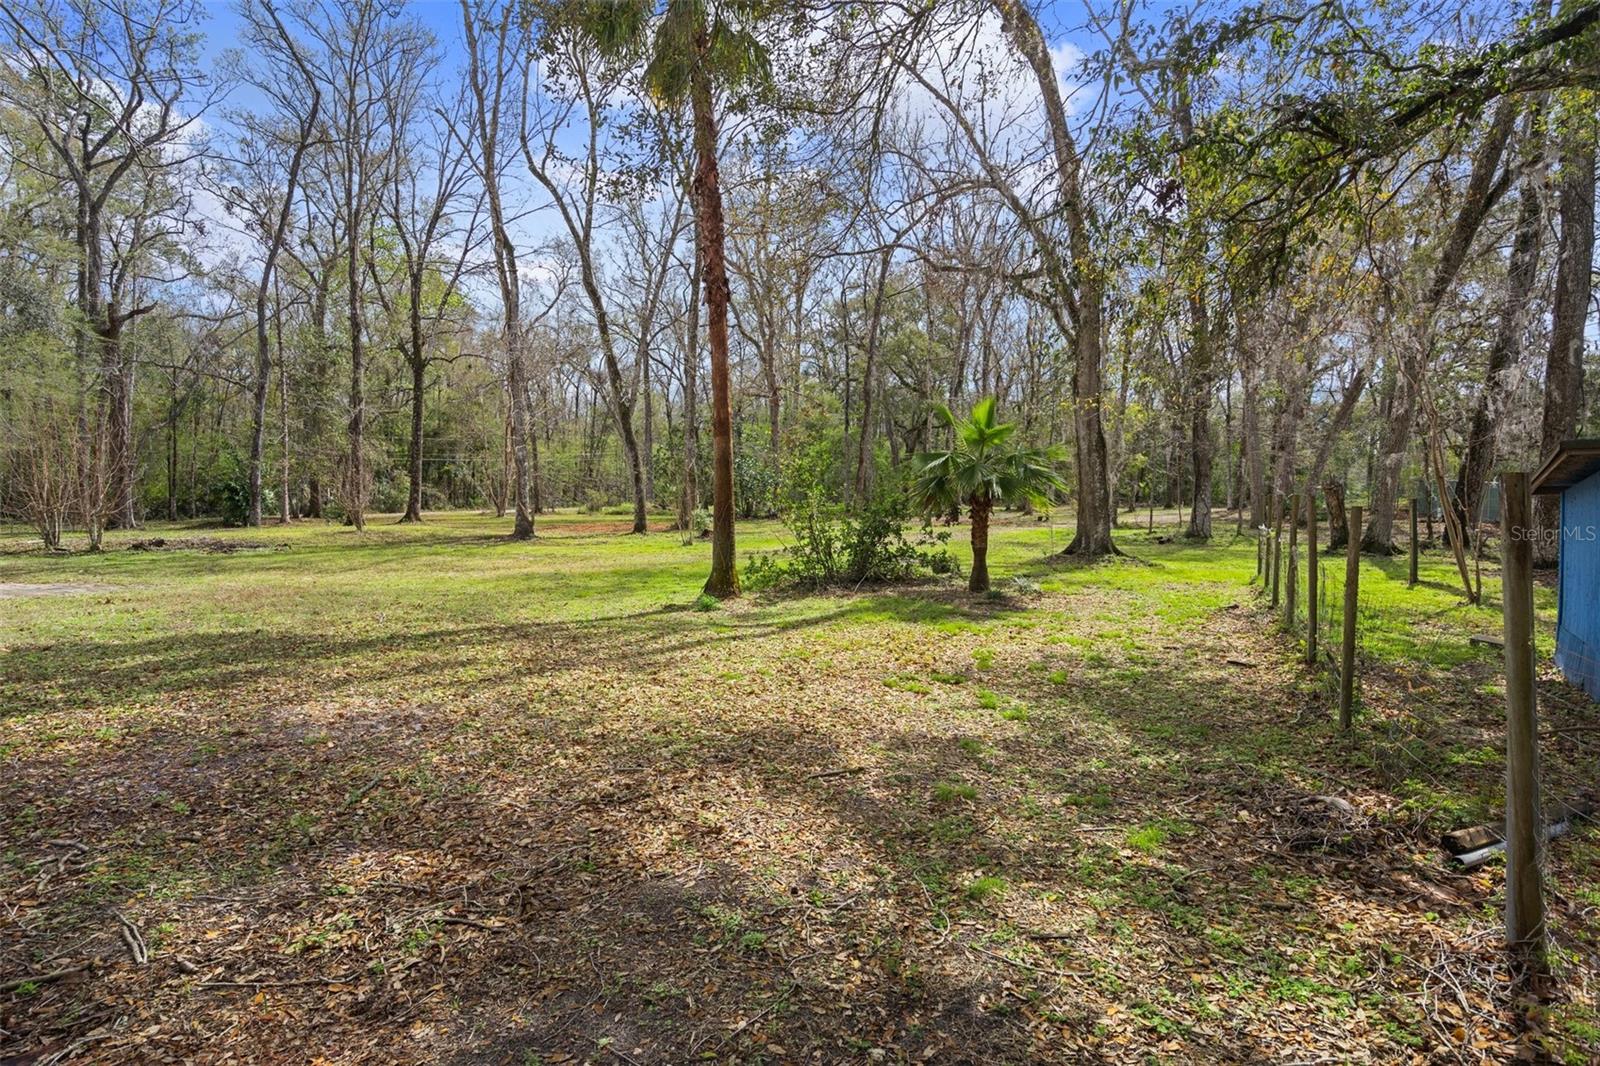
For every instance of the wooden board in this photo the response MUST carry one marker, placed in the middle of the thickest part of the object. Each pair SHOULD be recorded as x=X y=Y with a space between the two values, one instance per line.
x=1476 y=837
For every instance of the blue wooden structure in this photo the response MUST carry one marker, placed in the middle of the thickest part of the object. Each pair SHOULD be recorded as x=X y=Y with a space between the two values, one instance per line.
x=1573 y=472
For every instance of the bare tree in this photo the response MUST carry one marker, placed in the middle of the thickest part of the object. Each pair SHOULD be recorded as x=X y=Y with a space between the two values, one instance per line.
x=114 y=88
x=424 y=189
x=369 y=54
x=571 y=65
x=293 y=92
x=492 y=64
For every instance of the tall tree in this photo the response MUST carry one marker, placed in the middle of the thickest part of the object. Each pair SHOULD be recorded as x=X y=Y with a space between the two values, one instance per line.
x=491 y=64
x=692 y=49
x=566 y=48
x=424 y=189
x=1075 y=281
x=114 y=88
x=1563 y=384
x=279 y=72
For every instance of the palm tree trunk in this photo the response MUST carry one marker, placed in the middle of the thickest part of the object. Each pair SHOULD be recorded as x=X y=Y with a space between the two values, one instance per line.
x=724 y=579
x=979 y=581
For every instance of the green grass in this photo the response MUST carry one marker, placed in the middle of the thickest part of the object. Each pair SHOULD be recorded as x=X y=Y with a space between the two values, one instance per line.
x=824 y=784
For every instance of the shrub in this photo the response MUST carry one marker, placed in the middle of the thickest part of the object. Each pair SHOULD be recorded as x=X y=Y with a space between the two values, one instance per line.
x=228 y=496
x=755 y=484
x=837 y=546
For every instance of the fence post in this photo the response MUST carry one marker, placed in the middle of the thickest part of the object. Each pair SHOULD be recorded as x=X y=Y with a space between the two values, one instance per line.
x=1524 y=826
x=1292 y=578
x=1311 y=579
x=1412 y=581
x=1347 y=651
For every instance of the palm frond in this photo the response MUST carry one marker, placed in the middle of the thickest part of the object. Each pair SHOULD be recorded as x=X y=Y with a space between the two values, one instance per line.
x=980 y=467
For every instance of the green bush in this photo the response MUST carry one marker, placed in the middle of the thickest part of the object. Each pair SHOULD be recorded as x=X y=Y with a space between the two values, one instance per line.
x=755 y=483
x=835 y=545
x=389 y=495
x=228 y=495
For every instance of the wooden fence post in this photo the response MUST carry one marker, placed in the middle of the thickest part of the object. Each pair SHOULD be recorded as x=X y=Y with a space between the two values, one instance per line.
x=1311 y=579
x=1292 y=561
x=1347 y=651
x=1524 y=825
x=1412 y=581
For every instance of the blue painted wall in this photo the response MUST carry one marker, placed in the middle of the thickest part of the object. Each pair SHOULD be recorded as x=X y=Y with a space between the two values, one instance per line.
x=1578 y=625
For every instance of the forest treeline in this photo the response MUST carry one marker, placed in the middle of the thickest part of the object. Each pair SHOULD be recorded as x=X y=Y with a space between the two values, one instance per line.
x=677 y=253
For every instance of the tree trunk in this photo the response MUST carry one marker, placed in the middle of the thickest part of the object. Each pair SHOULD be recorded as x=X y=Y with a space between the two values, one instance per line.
x=173 y=412
x=517 y=386
x=258 y=405
x=1521 y=276
x=630 y=448
x=1399 y=408
x=1118 y=434
x=1338 y=526
x=1341 y=419
x=649 y=440
x=1201 y=449
x=1563 y=395
x=724 y=579
x=1080 y=284
x=419 y=368
x=769 y=377
x=864 y=458
x=980 y=509
x=691 y=401
x=284 y=501
x=1250 y=436
x=120 y=472
x=1482 y=190
x=269 y=269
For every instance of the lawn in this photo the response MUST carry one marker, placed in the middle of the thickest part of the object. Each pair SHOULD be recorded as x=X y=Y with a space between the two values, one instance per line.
x=429 y=795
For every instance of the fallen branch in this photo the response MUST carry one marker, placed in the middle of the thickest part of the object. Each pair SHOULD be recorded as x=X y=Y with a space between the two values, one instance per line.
x=451 y=919
x=748 y=1022
x=43 y=978
x=135 y=941
x=361 y=793
x=841 y=772
x=303 y=982
x=1048 y=971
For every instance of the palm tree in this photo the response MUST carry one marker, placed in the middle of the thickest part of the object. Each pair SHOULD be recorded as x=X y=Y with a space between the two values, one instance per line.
x=691 y=47
x=980 y=469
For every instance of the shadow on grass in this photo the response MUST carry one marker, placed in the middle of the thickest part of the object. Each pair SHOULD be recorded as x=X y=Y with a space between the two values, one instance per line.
x=82 y=673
